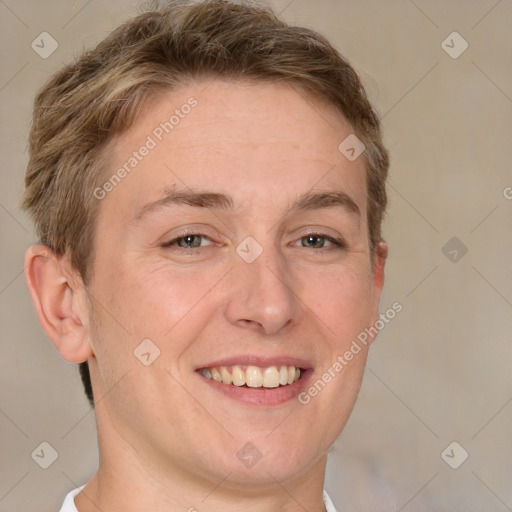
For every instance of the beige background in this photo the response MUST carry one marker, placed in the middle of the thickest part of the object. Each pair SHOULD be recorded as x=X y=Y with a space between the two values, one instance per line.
x=439 y=372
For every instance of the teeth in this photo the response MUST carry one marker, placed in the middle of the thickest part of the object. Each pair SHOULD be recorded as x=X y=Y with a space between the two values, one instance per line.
x=271 y=377
x=253 y=376
x=216 y=375
x=226 y=376
x=238 y=376
x=291 y=374
x=283 y=375
x=207 y=373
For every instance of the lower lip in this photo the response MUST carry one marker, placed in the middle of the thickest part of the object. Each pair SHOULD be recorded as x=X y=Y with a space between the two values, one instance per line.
x=261 y=396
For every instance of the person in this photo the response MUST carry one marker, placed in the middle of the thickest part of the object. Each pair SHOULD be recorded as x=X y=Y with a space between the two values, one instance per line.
x=208 y=186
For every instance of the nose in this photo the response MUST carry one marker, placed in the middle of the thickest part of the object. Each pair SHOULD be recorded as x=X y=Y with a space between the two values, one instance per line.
x=262 y=296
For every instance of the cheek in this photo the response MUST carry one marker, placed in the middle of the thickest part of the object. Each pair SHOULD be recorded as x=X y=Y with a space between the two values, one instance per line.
x=342 y=301
x=136 y=305
x=151 y=300
x=157 y=303
x=164 y=299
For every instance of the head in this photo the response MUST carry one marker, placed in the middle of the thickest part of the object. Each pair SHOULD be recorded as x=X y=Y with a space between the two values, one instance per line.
x=241 y=116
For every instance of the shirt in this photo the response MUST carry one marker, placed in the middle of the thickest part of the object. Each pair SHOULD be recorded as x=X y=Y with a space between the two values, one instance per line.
x=69 y=502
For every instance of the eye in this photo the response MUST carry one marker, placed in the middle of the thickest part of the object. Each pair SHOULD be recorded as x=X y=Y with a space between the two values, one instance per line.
x=188 y=241
x=319 y=241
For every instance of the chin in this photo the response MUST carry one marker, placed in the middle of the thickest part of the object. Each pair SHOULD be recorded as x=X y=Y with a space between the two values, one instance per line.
x=273 y=463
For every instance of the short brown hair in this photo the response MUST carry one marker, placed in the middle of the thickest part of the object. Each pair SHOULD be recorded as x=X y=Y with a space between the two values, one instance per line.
x=84 y=105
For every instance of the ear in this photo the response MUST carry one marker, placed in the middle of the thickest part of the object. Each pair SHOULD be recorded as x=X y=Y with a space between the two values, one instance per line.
x=60 y=301
x=378 y=263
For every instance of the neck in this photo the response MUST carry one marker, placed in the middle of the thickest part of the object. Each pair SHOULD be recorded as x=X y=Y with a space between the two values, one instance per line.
x=129 y=479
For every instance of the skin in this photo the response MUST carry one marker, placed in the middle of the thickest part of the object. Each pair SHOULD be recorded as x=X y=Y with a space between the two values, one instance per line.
x=168 y=441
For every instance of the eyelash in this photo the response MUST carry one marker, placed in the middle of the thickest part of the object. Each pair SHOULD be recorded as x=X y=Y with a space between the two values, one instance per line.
x=337 y=243
x=181 y=237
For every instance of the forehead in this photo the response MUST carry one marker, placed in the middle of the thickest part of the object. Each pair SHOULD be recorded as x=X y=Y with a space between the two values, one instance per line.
x=254 y=141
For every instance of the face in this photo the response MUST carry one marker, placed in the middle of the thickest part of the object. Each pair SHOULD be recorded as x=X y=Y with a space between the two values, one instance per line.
x=238 y=246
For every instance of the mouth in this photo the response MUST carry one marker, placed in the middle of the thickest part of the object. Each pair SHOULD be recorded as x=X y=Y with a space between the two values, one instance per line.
x=269 y=377
x=261 y=382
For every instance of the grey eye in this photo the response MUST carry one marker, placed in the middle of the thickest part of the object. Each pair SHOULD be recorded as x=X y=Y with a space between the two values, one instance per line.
x=314 y=241
x=189 y=241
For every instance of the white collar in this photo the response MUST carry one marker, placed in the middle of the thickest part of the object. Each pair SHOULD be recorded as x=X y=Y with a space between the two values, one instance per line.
x=329 y=506
x=69 y=502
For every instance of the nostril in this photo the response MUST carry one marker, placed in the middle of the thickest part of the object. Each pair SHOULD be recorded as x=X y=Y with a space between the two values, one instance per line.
x=250 y=323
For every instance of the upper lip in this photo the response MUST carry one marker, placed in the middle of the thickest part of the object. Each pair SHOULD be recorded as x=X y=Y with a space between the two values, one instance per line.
x=254 y=360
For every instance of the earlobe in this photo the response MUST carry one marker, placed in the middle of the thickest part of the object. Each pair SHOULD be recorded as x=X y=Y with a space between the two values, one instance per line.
x=60 y=306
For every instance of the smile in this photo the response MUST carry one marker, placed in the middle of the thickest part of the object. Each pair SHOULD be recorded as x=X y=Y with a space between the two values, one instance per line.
x=253 y=376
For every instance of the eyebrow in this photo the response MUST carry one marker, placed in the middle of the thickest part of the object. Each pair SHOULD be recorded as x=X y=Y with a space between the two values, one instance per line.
x=315 y=201
x=197 y=199
x=189 y=198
